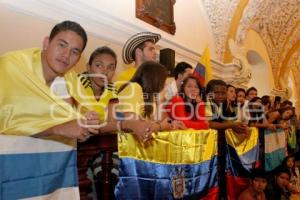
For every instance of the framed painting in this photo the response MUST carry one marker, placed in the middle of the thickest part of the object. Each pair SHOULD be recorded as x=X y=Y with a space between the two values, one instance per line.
x=159 y=13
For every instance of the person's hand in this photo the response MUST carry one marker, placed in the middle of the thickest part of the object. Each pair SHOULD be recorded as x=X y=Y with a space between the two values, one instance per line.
x=72 y=129
x=178 y=125
x=91 y=122
x=271 y=127
x=165 y=125
x=240 y=128
x=142 y=130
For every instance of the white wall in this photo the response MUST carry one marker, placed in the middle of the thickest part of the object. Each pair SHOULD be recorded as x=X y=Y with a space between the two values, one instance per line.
x=192 y=28
x=111 y=23
x=261 y=65
x=114 y=21
x=260 y=76
x=21 y=31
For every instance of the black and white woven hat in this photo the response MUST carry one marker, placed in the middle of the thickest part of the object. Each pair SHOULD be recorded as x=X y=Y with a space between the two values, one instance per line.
x=136 y=40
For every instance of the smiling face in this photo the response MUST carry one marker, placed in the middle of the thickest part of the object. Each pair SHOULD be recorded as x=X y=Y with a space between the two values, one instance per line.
x=62 y=52
x=191 y=89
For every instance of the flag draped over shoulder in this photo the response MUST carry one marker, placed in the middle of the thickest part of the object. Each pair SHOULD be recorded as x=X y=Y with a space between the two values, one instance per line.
x=29 y=167
x=177 y=164
x=33 y=168
x=275 y=148
x=203 y=70
x=27 y=105
x=242 y=154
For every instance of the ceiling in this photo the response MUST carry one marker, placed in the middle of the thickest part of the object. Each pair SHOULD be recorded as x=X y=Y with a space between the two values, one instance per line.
x=276 y=21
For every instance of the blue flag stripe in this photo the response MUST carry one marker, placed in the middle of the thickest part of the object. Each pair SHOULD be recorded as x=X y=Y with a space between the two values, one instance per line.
x=274 y=159
x=154 y=181
x=200 y=69
x=36 y=174
x=241 y=165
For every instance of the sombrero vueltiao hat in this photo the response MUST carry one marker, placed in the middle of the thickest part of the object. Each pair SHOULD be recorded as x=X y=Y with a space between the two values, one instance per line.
x=136 y=40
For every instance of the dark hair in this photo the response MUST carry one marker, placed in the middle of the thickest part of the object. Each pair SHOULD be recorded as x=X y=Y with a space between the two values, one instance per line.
x=212 y=83
x=258 y=173
x=284 y=163
x=100 y=51
x=69 y=26
x=265 y=100
x=180 y=68
x=283 y=109
x=228 y=107
x=140 y=46
x=228 y=86
x=279 y=170
x=237 y=90
x=250 y=89
x=151 y=76
x=254 y=100
x=185 y=97
x=286 y=103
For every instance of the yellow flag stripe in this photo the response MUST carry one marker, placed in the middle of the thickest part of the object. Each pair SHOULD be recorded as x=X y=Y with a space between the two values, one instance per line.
x=240 y=142
x=172 y=147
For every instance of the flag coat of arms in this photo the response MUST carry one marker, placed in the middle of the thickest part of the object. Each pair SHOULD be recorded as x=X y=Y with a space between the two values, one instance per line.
x=175 y=165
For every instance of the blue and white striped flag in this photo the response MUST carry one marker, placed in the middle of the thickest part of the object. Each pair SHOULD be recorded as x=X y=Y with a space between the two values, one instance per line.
x=32 y=168
x=275 y=148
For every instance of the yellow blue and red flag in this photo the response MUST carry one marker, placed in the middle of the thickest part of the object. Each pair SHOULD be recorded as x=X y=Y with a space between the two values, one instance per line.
x=176 y=165
x=242 y=155
x=203 y=70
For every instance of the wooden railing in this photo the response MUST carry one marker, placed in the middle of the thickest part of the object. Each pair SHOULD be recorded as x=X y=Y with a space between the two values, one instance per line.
x=107 y=143
x=90 y=149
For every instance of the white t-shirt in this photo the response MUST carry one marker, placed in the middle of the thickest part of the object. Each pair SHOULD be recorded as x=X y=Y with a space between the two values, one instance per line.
x=59 y=87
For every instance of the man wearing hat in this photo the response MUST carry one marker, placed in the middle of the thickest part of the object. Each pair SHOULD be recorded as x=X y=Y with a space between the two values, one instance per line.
x=139 y=48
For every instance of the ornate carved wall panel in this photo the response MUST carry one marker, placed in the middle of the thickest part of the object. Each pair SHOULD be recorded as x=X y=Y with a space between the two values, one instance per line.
x=220 y=13
x=276 y=21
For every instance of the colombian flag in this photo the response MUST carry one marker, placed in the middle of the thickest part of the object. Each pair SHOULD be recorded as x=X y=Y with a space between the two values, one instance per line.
x=203 y=69
x=275 y=148
x=176 y=165
x=242 y=155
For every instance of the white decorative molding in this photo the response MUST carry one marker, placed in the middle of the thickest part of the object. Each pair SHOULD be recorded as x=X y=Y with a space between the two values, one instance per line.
x=277 y=23
x=220 y=13
x=107 y=27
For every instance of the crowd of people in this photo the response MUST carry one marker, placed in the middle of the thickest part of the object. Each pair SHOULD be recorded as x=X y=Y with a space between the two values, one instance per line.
x=139 y=101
